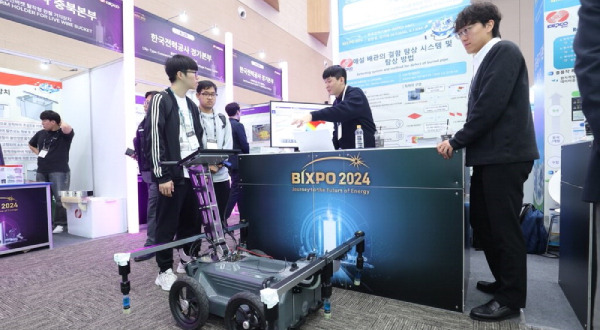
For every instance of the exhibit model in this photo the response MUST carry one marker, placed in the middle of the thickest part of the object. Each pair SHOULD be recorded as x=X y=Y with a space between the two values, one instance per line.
x=246 y=288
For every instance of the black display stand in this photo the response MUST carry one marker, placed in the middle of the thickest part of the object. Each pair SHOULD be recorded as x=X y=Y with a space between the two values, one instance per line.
x=576 y=219
x=25 y=217
x=409 y=202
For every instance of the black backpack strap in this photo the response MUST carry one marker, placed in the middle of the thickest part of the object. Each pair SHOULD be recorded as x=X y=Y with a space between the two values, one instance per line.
x=527 y=207
x=223 y=119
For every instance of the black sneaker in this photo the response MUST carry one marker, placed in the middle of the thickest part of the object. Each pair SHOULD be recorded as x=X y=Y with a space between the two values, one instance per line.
x=143 y=257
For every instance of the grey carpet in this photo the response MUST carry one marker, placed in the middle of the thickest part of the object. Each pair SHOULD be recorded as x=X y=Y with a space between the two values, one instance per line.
x=77 y=287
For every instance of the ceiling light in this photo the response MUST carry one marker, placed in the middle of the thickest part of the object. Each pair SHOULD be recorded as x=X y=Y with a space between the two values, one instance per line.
x=183 y=17
x=44 y=65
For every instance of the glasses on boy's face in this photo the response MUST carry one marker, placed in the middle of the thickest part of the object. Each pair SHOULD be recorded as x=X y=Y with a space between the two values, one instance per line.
x=464 y=32
x=211 y=95
x=195 y=73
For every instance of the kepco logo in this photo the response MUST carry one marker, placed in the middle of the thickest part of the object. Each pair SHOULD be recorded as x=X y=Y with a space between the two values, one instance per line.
x=110 y=4
x=557 y=19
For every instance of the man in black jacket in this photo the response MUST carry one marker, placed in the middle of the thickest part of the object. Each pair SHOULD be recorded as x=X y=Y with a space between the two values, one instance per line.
x=350 y=109
x=174 y=132
x=500 y=145
x=145 y=171
x=587 y=69
x=239 y=142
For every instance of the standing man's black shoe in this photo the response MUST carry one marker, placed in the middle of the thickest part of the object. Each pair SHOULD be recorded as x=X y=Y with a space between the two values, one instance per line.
x=493 y=311
x=487 y=287
x=143 y=257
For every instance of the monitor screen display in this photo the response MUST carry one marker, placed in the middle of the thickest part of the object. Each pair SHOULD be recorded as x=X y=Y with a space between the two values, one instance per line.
x=282 y=115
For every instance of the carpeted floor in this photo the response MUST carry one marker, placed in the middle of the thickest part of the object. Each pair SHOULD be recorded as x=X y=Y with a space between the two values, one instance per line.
x=77 y=287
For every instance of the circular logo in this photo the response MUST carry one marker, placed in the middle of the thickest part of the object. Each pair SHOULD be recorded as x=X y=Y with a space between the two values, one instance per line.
x=78 y=213
x=346 y=63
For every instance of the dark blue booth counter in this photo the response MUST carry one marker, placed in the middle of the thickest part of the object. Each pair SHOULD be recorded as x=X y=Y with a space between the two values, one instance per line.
x=409 y=202
x=25 y=217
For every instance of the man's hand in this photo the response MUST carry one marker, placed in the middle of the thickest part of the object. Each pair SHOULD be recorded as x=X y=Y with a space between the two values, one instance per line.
x=34 y=149
x=302 y=120
x=167 y=188
x=213 y=169
x=445 y=149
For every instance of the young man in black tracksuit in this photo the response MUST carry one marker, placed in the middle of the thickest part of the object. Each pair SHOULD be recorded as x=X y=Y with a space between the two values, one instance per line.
x=174 y=132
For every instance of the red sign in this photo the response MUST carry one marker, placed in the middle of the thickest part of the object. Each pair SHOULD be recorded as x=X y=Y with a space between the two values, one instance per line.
x=557 y=16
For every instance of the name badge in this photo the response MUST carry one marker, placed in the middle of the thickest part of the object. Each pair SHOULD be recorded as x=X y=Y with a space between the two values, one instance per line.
x=211 y=144
x=194 y=145
x=42 y=153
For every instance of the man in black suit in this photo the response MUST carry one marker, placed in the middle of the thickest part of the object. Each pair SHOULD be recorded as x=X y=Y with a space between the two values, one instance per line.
x=238 y=134
x=500 y=145
x=587 y=69
x=350 y=109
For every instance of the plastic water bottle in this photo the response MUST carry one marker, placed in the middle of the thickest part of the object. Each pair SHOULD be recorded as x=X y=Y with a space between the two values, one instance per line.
x=359 y=138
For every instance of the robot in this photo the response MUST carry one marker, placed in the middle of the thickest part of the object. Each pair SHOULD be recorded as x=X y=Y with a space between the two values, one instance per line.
x=247 y=288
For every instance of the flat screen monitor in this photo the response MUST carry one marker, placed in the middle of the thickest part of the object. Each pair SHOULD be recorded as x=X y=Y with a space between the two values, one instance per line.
x=282 y=115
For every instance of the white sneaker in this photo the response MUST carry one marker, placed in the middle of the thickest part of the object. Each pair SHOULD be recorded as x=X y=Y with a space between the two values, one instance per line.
x=166 y=279
x=58 y=229
x=180 y=268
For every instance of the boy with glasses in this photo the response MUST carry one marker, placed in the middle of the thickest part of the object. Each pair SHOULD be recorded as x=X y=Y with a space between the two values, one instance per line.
x=217 y=135
x=500 y=146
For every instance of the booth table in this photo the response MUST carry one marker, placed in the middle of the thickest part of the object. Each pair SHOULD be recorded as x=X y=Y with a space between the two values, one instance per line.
x=25 y=217
x=409 y=202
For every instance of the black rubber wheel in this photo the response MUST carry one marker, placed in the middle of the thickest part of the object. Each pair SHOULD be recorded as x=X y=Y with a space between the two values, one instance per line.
x=245 y=311
x=189 y=303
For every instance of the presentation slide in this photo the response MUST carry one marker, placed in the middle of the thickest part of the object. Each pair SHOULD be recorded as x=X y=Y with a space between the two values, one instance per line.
x=282 y=115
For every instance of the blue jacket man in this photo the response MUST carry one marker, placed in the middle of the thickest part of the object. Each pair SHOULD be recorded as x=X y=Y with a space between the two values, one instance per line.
x=239 y=142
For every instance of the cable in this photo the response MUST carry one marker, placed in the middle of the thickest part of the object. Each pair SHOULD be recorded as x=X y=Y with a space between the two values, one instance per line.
x=254 y=253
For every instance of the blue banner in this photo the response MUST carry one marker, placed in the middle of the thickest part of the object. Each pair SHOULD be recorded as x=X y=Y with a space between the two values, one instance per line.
x=425 y=73
x=257 y=76
x=95 y=22
x=394 y=20
x=157 y=39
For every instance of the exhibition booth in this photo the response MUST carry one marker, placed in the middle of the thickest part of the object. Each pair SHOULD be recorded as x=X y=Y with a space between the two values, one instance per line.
x=102 y=57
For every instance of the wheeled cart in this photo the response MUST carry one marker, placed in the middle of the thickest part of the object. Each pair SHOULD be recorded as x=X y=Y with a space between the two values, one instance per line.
x=247 y=288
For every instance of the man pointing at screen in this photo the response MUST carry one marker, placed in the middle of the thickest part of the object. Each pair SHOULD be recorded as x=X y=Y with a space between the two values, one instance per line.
x=350 y=109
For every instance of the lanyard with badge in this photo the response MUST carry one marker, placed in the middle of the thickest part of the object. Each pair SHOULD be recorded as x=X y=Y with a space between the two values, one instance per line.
x=189 y=130
x=45 y=148
x=339 y=124
x=211 y=143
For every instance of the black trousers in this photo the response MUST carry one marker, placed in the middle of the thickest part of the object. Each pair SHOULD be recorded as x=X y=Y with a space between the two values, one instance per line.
x=496 y=201
x=234 y=194
x=222 y=196
x=177 y=216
